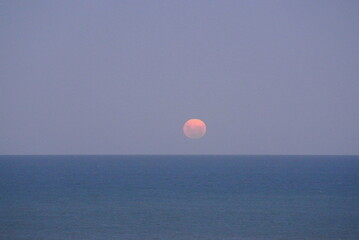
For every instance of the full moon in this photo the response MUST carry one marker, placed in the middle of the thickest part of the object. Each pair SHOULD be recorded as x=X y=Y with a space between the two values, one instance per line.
x=194 y=128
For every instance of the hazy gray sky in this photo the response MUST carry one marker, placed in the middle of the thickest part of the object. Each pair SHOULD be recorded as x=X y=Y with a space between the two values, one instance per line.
x=122 y=77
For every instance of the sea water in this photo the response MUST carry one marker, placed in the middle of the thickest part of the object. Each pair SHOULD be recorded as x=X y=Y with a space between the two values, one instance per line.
x=179 y=197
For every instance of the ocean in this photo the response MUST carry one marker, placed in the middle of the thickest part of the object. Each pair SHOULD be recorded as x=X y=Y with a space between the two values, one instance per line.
x=179 y=197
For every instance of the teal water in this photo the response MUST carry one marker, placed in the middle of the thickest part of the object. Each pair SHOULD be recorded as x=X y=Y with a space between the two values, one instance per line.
x=179 y=197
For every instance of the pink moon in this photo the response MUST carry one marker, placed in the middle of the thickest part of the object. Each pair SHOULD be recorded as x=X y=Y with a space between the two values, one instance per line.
x=194 y=128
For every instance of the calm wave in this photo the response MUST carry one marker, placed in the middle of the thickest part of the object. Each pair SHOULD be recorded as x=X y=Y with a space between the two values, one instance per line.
x=179 y=197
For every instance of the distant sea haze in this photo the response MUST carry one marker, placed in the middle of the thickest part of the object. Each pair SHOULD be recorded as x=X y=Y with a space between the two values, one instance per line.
x=180 y=197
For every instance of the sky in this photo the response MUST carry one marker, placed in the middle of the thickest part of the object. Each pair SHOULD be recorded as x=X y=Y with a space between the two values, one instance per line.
x=122 y=77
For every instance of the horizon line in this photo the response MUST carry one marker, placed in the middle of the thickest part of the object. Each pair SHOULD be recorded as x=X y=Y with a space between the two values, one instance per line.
x=193 y=154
